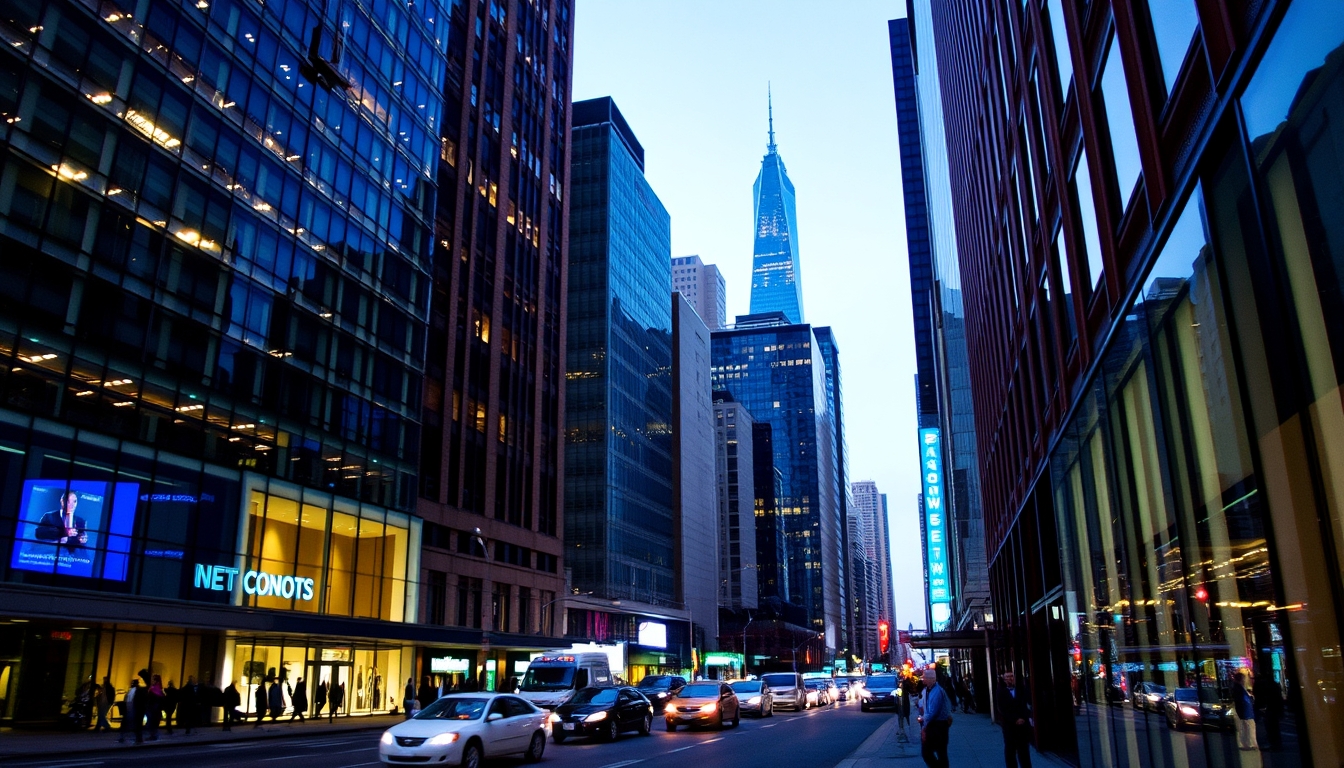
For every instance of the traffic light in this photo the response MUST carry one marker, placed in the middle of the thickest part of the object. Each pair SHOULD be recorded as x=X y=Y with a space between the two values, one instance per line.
x=883 y=636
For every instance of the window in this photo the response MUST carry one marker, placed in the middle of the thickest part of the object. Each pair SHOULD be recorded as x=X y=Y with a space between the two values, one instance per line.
x=1120 y=123
x=1174 y=25
x=1053 y=15
x=1087 y=214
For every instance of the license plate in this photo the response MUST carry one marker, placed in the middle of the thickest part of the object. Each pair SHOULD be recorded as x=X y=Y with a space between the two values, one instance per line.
x=566 y=726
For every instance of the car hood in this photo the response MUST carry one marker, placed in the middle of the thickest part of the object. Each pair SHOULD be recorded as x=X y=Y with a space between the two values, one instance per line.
x=581 y=709
x=423 y=729
x=690 y=700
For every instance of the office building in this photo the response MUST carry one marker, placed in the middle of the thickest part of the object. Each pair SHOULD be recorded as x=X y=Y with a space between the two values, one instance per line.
x=943 y=384
x=869 y=519
x=1152 y=319
x=735 y=480
x=493 y=412
x=830 y=356
x=694 y=499
x=772 y=558
x=776 y=281
x=621 y=536
x=702 y=285
x=216 y=221
x=776 y=369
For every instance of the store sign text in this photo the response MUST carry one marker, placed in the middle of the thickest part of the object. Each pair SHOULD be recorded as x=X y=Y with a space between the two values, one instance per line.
x=221 y=578
x=935 y=518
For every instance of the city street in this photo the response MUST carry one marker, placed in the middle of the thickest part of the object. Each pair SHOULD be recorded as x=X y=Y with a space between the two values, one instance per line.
x=818 y=738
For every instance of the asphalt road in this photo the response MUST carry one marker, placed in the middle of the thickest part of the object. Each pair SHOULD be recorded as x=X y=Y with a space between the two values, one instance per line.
x=818 y=738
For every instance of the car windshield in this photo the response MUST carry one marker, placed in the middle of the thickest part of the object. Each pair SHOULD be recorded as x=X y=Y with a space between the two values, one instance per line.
x=1206 y=695
x=1151 y=688
x=778 y=680
x=547 y=678
x=449 y=708
x=747 y=686
x=885 y=681
x=656 y=682
x=699 y=689
x=594 y=696
x=813 y=683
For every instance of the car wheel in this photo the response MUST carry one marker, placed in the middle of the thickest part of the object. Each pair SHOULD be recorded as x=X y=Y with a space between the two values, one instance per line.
x=737 y=718
x=721 y=722
x=671 y=727
x=771 y=713
x=471 y=756
x=613 y=731
x=537 y=748
x=646 y=725
x=558 y=737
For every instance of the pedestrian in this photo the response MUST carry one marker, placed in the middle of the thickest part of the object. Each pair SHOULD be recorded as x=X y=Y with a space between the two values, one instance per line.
x=1269 y=702
x=337 y=700
x=259 y=703
x=102 y=702
x=1014 y=717
x=131 y=718
x=935 y=722
x=426 y=694
x=962 y=696
x=276 y=699
x=971 y=705
x=299 y=698
x=1244 y=710
x=319 y=699
x=408 y=700
x=170 y=701
x=208 y=698
x=154 y=712
x=188 y=704
x=232 y=701
x=903 y=706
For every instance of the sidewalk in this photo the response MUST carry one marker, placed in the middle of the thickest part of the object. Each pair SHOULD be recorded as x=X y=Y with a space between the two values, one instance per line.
x=49 y=743
x=975 y=743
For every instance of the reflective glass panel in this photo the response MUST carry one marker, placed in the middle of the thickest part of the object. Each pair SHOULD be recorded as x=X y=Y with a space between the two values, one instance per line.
x=1120 y=121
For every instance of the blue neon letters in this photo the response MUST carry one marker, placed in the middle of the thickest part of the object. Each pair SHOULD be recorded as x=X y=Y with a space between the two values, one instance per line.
x=220 y=578
x=935 y=519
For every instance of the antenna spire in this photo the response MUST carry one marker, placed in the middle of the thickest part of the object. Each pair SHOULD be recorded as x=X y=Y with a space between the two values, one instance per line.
x=770 y=101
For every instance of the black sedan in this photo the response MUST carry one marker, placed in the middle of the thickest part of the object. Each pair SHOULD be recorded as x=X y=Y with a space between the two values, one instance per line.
x=603 y=712
x=879 y=691
x=658 y=689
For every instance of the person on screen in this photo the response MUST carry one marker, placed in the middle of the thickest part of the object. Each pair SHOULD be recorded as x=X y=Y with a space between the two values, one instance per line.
x=62 y=526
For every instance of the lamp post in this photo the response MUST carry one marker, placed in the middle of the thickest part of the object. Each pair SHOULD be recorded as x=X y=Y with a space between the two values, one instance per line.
x=744 y=643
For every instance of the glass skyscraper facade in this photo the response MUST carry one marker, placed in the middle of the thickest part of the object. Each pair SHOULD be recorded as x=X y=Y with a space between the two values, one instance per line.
x=216 y=220
x=776 y=280
x=777 y=371
x=619 y=526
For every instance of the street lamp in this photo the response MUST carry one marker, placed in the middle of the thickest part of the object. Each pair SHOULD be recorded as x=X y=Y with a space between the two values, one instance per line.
x=744 y=643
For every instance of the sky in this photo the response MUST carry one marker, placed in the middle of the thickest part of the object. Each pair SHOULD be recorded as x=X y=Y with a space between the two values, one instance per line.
x=690 y=77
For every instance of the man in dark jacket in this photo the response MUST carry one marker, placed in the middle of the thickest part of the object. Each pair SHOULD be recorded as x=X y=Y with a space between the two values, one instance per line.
x=232 y=700
x=188 y=704
x=259 y=703
x=207 y=698
x=298 y=698
x=1014 y=715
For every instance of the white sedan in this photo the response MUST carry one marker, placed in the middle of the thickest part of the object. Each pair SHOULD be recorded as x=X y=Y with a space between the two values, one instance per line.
x=465 y=728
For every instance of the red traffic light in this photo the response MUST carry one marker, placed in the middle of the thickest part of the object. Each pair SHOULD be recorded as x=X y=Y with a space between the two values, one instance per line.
x=1202 y=594
x=883 y=636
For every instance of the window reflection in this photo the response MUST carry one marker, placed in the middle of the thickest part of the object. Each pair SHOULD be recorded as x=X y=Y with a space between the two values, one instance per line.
x=1120 y=123
x=1174 y=25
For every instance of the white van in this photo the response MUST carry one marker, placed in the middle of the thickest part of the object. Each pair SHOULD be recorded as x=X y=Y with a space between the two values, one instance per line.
x=551 y=679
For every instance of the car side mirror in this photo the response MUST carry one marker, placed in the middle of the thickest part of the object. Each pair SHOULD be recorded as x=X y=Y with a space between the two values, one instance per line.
x=493 y=716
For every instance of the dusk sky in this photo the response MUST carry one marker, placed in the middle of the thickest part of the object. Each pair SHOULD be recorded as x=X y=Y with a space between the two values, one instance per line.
x=691 y=78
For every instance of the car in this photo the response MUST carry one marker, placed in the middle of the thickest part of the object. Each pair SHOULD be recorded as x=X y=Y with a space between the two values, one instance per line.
x=1198 y=707
x=786 y=689
x=1148 y=696
x=465 y=729
x=832 y=689
x=755 y=697
x=659 y=688
x=842 y=690
x=704 y=702
x=818 y=693
x=602 y=711
x=879 y=691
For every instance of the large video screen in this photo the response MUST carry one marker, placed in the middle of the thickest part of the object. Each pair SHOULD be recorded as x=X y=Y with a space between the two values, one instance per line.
x=76 y=528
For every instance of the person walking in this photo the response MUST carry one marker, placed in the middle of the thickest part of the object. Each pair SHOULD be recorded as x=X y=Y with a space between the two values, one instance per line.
x=259 y=703
x=170 y=701
x=188 y=704
x=319 y=699
x=154 y=712
x=427 y=694
x=232 y=701
x=1014 y=717
x=935 y=722
x=207 y=699
x=1244 y=710
x=102 y=702
x=131 y=717
x=276 y=699
x=337 y=700
x=299 y=699
x=1269 y=702
x=408 y=700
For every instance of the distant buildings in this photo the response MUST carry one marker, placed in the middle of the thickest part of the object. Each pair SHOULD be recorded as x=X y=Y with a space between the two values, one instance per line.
x=703 y=286
x=868 y=517
x=776 y=281
x=735 y=470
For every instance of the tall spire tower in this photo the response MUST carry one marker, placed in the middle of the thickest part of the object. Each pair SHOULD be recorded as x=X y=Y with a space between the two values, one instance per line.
x=775 y=277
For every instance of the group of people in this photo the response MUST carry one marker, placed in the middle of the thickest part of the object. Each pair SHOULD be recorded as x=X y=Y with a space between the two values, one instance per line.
x=938 y=701
x=149 y=705
x=415 y=699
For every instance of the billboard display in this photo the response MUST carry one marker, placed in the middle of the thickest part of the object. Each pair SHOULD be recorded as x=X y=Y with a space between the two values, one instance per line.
x=935 y=519
x=78 y=528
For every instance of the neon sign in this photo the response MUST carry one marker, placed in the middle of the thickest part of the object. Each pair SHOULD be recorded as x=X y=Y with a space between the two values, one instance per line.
x=221 y=578
x=935 y=517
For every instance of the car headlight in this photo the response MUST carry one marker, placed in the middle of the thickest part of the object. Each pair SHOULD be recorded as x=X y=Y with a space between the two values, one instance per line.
x=710 y=707
x=388 y=739
x=1154 y=697
x=596 y=716
x=554 y=718
x=442 y=739
x=670 y=709
x=754 y=700
x=1188 y=710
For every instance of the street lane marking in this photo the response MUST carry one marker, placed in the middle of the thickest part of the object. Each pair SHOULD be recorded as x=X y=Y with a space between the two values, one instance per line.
x=711 y=741
x=357 y=765
x=681 y=749
x=623 y=762
x=772 y=725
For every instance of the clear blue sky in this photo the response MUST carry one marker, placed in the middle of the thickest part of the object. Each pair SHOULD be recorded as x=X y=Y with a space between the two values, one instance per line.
x=690 y=77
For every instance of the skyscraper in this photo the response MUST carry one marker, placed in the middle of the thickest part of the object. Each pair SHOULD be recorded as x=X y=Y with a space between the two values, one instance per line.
x=216 y=222
x=703 y=286
x=694 y=499
x=734 y=457
x=870 y=513
x=776 y=281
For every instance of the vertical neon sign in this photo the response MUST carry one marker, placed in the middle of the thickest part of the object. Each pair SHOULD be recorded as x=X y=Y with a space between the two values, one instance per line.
x=935 y=520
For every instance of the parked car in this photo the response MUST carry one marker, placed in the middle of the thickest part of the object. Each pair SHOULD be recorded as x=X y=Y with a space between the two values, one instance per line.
x=1198 y=707
x=879 y=691
x=1148 y=696
x=603 y=712
x=818 y=693
x=706 y=702
x=659 y=688
x=465 y=729
x=787 y=690
x=755 y=697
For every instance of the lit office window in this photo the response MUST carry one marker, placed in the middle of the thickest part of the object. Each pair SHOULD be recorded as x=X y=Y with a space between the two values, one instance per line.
x=1120 y=120
x=1174 y=25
